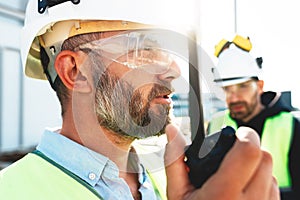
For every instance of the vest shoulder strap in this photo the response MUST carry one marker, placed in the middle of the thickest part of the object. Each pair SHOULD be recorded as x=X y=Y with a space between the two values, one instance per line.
x=220 y=120
x=276 y=138
x=157 y=187
x=34 y=178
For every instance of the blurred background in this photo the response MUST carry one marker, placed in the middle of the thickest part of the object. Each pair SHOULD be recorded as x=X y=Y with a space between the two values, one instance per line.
x=27 y=105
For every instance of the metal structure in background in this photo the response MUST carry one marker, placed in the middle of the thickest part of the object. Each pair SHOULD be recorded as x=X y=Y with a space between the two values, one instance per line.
x=18 y=116
x=12 y=13
x=195 y=101
x=235 y=16
x=1 y=92
x=15 y=15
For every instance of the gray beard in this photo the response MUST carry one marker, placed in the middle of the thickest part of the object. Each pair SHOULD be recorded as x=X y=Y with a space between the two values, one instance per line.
x=123 y=110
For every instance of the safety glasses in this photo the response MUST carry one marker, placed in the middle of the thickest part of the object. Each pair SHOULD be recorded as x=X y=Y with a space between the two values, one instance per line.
x=241 y=88
x=143 y=49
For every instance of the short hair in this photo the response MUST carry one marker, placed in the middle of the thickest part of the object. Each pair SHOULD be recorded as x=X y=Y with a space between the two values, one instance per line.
x=71 y=43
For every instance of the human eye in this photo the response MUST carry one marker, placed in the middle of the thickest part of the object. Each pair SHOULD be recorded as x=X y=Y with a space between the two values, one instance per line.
x=247 y=84
x=225 y=89
x=244 y=85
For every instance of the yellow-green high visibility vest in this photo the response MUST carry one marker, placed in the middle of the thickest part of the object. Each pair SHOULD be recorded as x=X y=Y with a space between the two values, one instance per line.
x=276 y=138
x=34 y=177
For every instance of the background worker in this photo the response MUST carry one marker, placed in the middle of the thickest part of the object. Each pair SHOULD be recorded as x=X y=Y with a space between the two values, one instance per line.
x=238 y=73
x=113 y=79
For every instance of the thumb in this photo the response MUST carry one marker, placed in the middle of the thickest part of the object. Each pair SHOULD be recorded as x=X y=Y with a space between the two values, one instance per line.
x=177 y=177
x=175 y=146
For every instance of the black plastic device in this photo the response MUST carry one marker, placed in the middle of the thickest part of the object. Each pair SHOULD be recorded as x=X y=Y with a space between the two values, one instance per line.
x=203 y=159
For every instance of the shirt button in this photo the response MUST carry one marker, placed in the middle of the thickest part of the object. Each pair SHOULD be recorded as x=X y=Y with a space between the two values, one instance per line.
x=92 y=176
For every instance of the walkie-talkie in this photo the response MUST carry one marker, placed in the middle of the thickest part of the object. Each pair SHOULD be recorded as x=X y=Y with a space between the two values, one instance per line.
x=203 y=159
x=205 y=154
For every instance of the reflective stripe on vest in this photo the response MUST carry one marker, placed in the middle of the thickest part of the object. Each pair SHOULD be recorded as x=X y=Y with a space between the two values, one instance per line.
x=276 y=139
x=44 y=179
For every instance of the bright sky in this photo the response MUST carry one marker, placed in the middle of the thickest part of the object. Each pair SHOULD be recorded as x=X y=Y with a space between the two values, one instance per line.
x=272 y=26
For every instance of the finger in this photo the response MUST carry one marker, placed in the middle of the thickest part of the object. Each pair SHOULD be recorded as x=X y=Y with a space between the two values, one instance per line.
x=261 y=186
x=274 y=191
x=240 y=162
x=177 y=178
x=247 y=134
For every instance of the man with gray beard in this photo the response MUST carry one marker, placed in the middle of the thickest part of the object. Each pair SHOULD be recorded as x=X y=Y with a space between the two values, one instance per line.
x=112 y=72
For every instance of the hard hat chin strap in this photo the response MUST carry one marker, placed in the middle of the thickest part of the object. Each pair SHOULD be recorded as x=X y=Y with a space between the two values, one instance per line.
x=49 y=71
x=44 y=4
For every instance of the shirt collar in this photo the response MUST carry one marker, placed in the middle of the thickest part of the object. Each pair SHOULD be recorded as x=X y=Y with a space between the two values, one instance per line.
x=80 y=160
x=83 y=162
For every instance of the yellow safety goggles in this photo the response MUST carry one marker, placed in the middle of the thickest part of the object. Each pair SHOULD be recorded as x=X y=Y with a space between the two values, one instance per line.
x=239 y=41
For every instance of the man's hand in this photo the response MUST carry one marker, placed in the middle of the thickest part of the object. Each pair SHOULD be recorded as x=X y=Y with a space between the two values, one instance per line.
x=245 y=173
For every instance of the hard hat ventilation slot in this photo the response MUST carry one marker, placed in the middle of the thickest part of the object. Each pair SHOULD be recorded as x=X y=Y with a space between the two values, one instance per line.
x=43 y=4
x=259 y=61
x=52 y=50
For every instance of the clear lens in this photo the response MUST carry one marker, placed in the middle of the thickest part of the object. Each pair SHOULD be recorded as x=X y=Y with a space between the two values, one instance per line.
x=152 y=60
x=240 y=89
x=142 y=49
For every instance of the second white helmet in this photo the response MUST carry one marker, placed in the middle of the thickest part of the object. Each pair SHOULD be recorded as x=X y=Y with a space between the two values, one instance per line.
x=236 y=66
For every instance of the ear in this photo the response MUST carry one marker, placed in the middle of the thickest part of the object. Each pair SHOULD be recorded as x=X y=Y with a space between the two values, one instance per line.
x=260 y=84
x=67 y=65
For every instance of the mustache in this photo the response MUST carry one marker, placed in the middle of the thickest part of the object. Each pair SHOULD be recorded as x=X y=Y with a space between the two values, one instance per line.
x=160 y=90
x=236 y=104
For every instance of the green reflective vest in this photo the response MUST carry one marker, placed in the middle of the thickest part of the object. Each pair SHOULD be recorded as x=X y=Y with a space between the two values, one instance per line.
x=276 y=138
x=42 y=179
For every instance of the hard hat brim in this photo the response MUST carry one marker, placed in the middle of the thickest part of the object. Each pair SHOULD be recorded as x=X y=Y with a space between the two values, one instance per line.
x=36 y=23
x=224 y=83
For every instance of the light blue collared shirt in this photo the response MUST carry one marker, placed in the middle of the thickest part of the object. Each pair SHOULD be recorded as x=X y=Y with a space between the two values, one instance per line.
x=97 y=170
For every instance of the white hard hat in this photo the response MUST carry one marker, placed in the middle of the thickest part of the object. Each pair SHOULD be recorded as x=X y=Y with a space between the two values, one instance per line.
x=49 y=25
x=235 y=66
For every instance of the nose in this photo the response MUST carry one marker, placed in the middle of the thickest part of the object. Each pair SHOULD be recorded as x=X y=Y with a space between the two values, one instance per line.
x=172 y=73
x=232 y=98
